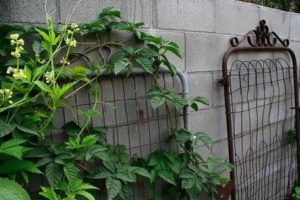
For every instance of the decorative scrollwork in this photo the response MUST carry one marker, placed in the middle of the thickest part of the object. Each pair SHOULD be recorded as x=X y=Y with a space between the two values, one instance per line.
x=261 y=37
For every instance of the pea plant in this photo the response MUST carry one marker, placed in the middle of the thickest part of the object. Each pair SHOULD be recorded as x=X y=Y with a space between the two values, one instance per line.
x=38 y=75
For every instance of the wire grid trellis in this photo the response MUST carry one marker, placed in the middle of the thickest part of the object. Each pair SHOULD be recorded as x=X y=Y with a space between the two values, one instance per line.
x=128 y=115
x=261 y=97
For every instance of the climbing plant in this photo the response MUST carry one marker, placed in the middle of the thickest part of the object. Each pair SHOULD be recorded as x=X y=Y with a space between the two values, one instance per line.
x=38 y=71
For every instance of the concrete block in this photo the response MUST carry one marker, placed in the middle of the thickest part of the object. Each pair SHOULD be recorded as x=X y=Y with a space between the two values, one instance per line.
x=211 y=121
x=131 y=10
x=229 y=16
x=220 y=148
x=177 y=37
x=295 y=46
x=204 y=51
x=123 y=138
x=5 y=12
x=186 y=15
x=201 y=84
x=278 y=21
x=294 y=27
x=30 y=11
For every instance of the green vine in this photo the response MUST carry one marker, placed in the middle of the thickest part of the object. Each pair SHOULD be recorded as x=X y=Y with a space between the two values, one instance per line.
x=38 y=74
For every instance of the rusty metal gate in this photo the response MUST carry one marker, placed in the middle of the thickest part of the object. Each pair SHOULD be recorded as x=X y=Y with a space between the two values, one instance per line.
x=262 y=114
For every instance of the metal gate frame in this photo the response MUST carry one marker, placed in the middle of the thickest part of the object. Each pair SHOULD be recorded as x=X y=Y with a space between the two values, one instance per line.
x=259 y=40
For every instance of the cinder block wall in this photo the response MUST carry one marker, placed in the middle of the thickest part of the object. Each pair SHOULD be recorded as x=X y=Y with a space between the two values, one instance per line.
x=202 y=28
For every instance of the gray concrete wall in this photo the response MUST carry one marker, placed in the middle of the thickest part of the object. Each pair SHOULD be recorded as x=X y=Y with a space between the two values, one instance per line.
x=202 y=28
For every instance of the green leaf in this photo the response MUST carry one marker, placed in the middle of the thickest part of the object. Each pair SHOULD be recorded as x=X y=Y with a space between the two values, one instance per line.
x=170 y=66
x=172 y=47
x=77 y=73
x=11 y=147
x=36 y=47
x=167 y=176
x=54 y=174
x=86 y=195
x=6 y=128
x=142 y=172
x=71 y=128
x=43 y=161
x=88 y=113
x=120 y=65
x=125 y=176
x=116 y=56
x=146 y=64
x=89 y=140
x=13 y=166
x=44 y=35
x=71 y=172
x=113 y=187
x=42 y=86
x=10 y=190
x=102 y=175
x=157 y=101
x=109 y=13
x=187 y=183
x=203 y=137
x=49 y=193
x=27 y=130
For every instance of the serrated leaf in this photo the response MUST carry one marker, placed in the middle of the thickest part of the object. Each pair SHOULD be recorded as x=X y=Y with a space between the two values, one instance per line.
x=157 y=101
x=89 y=140
x=10 y=190
x=113 y=187
x=12 y=148
x=109 y=13
x=6 y=128
x=167 y=176
x=43 y=161
x=187 y=183
x=142 y=172
x=49 y=193
x=71 y=172
x=86 y=195
x=54 y=174
x=170 y=66
x=120 y=65
x=13 y=166
x=102 y=175
x=146 y=64
x=202 y=137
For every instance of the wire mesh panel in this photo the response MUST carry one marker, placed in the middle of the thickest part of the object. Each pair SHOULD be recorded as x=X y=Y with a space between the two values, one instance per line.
x=262 y=122
x=261 y=94
x=128 y=116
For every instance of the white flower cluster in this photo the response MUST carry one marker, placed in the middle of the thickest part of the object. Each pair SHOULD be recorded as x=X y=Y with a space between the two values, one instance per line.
x=6 y=94
x=70 y=41
x=19 y=43
x=16 y=73
x=50 y=77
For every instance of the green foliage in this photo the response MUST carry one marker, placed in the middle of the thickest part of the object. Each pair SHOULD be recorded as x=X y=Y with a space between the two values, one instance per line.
x=297 y=192
x=10 y=190
x=38 y=78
